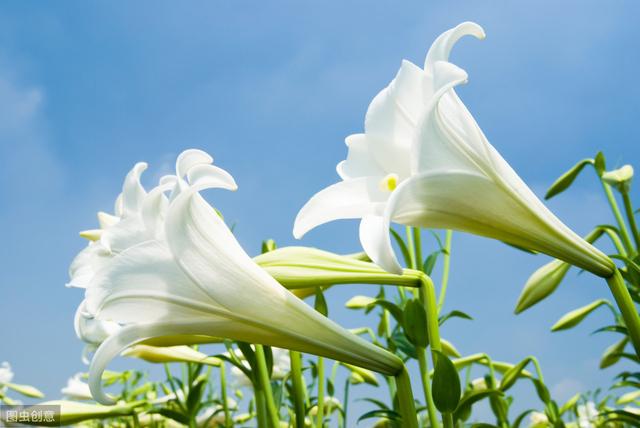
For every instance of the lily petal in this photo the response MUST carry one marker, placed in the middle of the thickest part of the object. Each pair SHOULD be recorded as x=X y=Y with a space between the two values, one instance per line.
x=376 y=242
x=441 y=47
x=346 y=199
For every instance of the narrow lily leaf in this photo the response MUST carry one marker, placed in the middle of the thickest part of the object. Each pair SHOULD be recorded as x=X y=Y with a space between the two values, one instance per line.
x=448 y=349
x=430 y=262
x=613 y=353
x=415 y=324
x=471 y=398
x=629 y=397
x=381 y=413
x=573 y=318
x=542 y=391
x=403 y=247
x=569 y=404
x=566 y=179
x=600 y=163
x=454 y=314
x=512 y=375
x=320 y=303
x=26 y=390
x=445 y=384
x=518 y=421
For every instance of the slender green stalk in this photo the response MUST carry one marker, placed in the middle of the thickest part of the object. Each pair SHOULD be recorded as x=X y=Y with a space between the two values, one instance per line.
x=413 y=264
x=228 y=421
x=417 y=245
x=263 y=378
x=320 y=419
x=627 y=308
x=538 y=369
x=261 y=408
x=426 y=386
x=345 y=405
x=616 y=212
x=405 y=400
x=447 y=419
x=298 y=387
x=446 y=265
x=628 y=207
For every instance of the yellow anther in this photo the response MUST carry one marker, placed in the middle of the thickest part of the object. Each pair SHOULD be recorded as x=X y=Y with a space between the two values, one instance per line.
x=389 y=183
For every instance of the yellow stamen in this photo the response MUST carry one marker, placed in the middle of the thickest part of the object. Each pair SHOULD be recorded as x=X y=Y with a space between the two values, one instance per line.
x=389 y=183
x=92 y=234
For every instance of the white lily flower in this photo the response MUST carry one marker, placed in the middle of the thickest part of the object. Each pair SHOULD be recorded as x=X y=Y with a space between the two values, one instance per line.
x=6 y=374
x=538 y=419
x=174 y=268
x=77 y=389
x=423 y=161
x=587 y=414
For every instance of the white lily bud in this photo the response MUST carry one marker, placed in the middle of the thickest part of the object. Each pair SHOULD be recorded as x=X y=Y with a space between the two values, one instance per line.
x=619 y=178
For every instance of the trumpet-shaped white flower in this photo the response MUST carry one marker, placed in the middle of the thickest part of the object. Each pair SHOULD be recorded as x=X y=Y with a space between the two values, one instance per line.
x=6 y=374
x=77 y=389
x=423 y=161
x=167 y=265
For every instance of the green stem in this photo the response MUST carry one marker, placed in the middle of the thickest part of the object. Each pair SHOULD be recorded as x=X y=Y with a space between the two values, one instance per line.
x=417 y=242
x=405 y=400
x=298 y=387
x=426 y=386
x=228 y=422
x=263 y=378
x=445 y=268
x=616 y=212
x=345 y=405
x=261 y=408
x=320 y=419
x=627 y=308
x=628 y=207
x=412 y=248
x=447 y=419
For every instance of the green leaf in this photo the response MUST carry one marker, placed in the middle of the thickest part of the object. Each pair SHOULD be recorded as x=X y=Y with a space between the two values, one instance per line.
x=454 y=314
x=542 y=391
x=573 y=318
x=445 y=384
x=571 y=402
x=381 y=413
x=613 y=353
x=471 y=398
x=320 y=303
x=512 y=375
x=392 y=308
x=430 y=262
x=518 y=421
x=600 y=163
x=565 y=180
x=403 y=247
x=415 y=323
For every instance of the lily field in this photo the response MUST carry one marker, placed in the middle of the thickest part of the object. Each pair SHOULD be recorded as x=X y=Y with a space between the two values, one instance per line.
x=320 y=215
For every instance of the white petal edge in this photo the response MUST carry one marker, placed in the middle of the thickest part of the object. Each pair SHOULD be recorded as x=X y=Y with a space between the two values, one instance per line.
x=376 y=242
x=349 y=199
x=441 y=47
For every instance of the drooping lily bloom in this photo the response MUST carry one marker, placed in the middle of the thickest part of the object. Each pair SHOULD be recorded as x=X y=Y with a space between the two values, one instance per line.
x=172 y=267
x=423 y=161
x=77 y=389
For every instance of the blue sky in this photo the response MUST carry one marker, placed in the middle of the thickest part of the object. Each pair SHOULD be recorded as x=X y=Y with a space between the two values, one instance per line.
x=271 y=90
